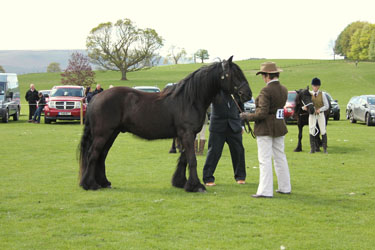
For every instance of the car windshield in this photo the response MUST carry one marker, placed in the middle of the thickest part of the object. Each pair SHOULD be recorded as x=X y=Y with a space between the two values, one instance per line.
x=329 y=97
x=2 y=88
x=67 y=92
x=292 y=97
x=371 y=100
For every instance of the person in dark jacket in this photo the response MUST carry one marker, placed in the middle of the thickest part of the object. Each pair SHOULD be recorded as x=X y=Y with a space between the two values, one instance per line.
x=41 y=104
x=88 y=94
x=31 y=97
x=97 y=90
x=225 y=126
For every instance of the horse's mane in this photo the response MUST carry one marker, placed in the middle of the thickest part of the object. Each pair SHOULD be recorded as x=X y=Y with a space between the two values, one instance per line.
x=298 y=108
x=195 y=84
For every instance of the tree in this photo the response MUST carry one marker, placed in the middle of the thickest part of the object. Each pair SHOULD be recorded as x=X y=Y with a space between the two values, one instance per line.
x=202 y=54
x=342 y=45
x=359 y=43
x=2 y=69
x=53 y=67
x=371 y=49
x=176 y=54
x=79 y=71
x=122 y=46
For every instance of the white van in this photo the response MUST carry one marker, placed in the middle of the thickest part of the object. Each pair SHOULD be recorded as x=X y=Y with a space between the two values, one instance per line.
x=9 y=97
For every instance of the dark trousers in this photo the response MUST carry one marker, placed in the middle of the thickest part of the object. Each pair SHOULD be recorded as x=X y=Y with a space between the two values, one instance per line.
x=32 y=109
x=215 y=148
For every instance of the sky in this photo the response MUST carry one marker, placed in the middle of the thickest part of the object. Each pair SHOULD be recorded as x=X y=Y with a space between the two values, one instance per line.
x=271 y=29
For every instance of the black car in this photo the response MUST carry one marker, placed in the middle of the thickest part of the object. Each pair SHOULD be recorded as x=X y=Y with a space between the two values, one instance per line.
x=363 y=109
x=335 y=107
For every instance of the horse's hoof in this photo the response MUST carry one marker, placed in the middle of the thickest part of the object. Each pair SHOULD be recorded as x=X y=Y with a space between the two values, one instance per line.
x=298 y=150
x=201 y=190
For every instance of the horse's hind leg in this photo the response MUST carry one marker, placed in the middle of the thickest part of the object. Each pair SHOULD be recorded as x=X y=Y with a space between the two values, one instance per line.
x=101 y=177
x=89 y=179
x=179 y=176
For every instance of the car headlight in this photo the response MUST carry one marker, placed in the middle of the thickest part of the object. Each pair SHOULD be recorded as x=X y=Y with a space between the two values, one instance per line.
x=77 y=105
x=52 y=104
x=289 y=110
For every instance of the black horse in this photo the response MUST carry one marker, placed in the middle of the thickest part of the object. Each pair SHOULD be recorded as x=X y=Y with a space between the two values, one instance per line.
x=178 y=111
x=303 y=98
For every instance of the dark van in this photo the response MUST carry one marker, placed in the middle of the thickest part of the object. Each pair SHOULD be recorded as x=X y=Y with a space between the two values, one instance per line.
x=9 y=97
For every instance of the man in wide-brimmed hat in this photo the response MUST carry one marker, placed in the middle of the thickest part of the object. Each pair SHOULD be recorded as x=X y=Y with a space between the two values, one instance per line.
x=270 y=130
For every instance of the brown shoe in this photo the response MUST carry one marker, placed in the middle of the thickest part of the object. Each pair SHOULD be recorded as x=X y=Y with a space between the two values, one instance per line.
x=260 y=196
x=241 y=182
x=210 y=184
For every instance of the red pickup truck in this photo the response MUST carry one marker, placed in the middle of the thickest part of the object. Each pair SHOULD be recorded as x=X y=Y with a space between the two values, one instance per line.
x=65 y=104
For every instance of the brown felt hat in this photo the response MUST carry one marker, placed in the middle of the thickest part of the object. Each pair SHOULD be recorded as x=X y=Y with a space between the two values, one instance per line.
x=269 y=67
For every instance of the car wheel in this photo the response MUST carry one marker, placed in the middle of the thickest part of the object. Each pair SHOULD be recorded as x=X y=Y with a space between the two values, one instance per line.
x=336 y=116
x=16 y=116
x=368 y=120
x=46 y=120
x=6 y=116
x=351 y=118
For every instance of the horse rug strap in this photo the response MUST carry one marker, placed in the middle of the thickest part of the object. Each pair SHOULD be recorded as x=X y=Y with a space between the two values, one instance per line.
x=280 y=114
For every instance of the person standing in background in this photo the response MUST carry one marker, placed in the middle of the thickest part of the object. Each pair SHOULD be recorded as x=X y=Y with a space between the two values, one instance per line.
x=32 y=97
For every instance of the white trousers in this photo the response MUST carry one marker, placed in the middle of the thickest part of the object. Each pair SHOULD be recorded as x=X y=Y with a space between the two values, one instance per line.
x=268 y=148
x=321 y=121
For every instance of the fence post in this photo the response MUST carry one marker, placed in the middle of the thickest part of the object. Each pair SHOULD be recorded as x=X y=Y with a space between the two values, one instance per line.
x=81 y=114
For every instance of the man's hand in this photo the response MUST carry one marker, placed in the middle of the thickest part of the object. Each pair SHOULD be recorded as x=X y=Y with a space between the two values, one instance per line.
x=244 y=116
x=304 y=108
x=317 y=111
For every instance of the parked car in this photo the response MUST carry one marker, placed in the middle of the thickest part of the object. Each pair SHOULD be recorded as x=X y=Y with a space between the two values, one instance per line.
x=363 y=109
x=335 y=107
x=65 y=104
x=349 y=106
x=147 y=88
x=289 y=106
x=250 y=106
x=9 y=97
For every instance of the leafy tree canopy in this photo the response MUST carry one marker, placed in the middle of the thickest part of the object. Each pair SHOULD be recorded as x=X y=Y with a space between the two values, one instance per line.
x=53 y=67
x=202 y=54
x=122 y=46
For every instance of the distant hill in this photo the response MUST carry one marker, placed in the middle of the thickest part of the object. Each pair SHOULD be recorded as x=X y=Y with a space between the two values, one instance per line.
x=37 y=61
x=34 y=61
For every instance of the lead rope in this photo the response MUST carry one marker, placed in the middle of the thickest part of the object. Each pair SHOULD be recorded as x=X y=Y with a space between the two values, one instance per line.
x=249 y=129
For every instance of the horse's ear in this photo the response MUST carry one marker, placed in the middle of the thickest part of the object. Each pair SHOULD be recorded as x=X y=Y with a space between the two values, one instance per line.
x=230 y=59
x=307 y=87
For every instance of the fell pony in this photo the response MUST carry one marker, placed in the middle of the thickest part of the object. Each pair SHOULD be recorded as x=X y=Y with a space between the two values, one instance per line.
x=178 y=111
x=303 y=98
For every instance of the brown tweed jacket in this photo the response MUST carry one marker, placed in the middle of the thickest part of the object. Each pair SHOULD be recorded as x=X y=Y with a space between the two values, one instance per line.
x=271 y=98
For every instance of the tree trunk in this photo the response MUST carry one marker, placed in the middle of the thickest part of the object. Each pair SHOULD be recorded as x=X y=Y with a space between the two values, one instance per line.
x=123 y=75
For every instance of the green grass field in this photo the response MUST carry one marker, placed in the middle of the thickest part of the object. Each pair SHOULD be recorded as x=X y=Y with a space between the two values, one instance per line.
x=331 y=207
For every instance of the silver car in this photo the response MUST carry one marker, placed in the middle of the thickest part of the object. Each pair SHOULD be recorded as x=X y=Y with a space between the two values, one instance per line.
x=363 y=109
x=250 y=106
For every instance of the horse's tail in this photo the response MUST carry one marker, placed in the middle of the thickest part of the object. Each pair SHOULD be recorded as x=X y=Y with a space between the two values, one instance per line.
x=84 y=147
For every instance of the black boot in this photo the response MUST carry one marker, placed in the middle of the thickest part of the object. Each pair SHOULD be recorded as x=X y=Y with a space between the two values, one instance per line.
x=324 y=142
x=312 y=144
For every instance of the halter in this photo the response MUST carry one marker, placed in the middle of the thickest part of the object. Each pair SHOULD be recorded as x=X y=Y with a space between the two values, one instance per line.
x=315 y=128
